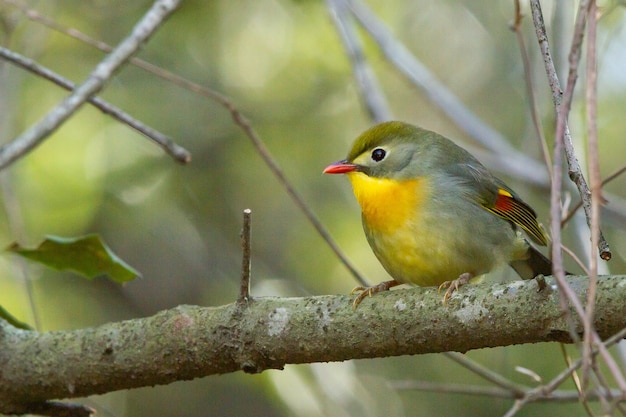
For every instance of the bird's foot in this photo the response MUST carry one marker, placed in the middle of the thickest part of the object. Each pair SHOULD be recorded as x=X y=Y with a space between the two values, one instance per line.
x=541 y=282
x=453 y=286
x=369 y=291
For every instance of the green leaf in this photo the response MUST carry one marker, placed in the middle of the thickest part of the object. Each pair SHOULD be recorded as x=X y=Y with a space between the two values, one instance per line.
x=86 y=255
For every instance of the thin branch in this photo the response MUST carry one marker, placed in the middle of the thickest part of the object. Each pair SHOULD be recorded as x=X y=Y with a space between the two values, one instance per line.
x=544 y=46
x=603 y=385
x=46 y=21
x=577 y=383
x=563 y=140
x=570 y=295
x=614 y=175
x=562 y=134
x=605 y=181
x=563 y=105
x=452 y=388
x=591 y=99
x=244 y=290
x=576 y=259
x=102 y=46
x=267 y=157
x=510 y=159
x=177 y=152
x=516 y=27
x=558 y=396
x=565 y=374
x=557 y=177
x=371 y=93
x=514 y=389
x=37 y=133
x=551 y=387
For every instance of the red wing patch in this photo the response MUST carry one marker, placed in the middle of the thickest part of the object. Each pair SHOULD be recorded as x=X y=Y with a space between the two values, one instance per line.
x=515 y=210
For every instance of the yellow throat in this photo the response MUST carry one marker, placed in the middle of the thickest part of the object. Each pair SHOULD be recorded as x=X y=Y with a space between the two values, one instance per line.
x=388 y=204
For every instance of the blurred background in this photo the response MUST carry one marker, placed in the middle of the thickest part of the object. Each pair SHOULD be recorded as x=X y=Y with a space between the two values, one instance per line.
x=284 y=66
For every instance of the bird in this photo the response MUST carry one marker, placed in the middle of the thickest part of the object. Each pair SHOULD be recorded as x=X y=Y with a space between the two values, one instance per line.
x=433 y=214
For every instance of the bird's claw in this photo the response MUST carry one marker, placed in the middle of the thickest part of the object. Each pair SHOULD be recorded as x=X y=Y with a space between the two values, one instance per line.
x=364 y=292
x=369 y=291
x=453 y=286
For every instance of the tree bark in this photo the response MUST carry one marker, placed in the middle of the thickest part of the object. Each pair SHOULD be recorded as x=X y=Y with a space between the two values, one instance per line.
x=189 y=342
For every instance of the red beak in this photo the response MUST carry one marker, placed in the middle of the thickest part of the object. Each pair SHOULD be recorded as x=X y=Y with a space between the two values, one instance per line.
x=340 y=167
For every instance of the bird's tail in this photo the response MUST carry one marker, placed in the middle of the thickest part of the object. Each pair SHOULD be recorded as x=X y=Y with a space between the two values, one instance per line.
x=532 y=266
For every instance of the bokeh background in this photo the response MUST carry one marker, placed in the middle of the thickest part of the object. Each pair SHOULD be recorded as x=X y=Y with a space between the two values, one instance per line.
x=283 y=65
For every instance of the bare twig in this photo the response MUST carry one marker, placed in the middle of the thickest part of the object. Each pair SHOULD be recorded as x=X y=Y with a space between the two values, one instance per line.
x=563 y=139
x=371 y=93
x=577 y=382
x=614 y=175
x=265 y=154
x=576 y=259
x=177 y=152
x=244 y=290
x=451 y=388
x=596 y=184
x=603 y=385
x=37 y=133
x=46 y=21
x=559 y=396
x=516 y=27
x=563 y=105
x=102 y=46
x=555 y=201
x=605 y=181
x=550 y=387
x=568 y=294
x=515 y=390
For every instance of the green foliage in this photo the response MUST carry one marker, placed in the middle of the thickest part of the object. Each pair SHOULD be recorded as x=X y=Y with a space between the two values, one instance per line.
x=87 y=255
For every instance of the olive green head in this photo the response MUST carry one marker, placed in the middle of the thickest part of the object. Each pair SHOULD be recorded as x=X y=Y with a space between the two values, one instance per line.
x=399 y=150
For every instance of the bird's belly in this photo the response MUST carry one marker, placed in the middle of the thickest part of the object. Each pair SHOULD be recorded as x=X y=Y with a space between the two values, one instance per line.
x=430 y=253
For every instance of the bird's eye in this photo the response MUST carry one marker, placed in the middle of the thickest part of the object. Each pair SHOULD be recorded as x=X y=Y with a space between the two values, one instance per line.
x=378 y=154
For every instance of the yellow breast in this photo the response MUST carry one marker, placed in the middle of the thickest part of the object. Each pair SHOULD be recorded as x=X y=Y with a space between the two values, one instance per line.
x=399 y=229
x=388 y=204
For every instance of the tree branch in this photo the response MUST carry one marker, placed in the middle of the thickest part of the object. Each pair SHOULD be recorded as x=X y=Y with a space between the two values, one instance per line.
x=371 y=93
x=562 y=104
x=37 y=133
x=190 y=342
x=244 y=289
x=177 y=152
x=516 y=27
x=559 y=396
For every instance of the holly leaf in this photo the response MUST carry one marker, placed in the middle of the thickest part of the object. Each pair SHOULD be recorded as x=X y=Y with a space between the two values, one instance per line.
x=86 y=255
